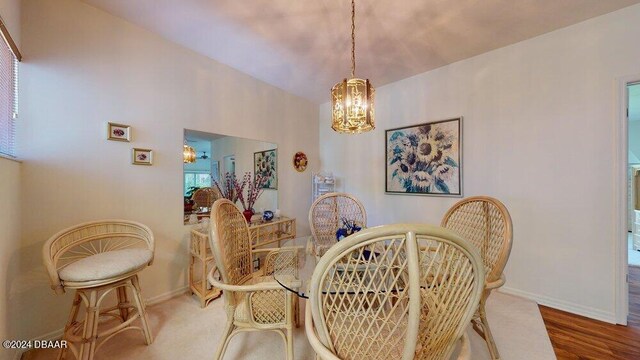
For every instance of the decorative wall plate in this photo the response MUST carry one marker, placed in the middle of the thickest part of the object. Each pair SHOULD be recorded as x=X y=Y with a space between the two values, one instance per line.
x=300 y=161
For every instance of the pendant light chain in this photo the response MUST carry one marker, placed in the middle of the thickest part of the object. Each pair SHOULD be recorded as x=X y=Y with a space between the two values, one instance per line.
x=352 y=100
x=353 y=39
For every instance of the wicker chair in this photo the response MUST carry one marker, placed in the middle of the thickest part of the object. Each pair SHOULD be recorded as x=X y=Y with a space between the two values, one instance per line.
x=486 y=223
x=205 y=197
x=252 y=301
x=325 y=218
x=94 y=259
x=411 y=298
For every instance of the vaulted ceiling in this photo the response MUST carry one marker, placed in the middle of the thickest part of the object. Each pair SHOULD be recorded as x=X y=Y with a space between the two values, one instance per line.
x=303 y=46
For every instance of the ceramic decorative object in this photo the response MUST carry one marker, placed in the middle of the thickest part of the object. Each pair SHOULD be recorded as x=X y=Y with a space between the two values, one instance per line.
x=267 y=215
x=300 y=161
x=278 y=213
x=247 y=215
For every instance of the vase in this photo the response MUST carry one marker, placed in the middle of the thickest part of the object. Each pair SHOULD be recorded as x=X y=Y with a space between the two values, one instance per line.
x=267 y=215
x=247 y=215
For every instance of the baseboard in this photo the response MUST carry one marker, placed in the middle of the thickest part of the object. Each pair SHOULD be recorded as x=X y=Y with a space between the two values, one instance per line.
x=586 y=311
x=166 y=296
x=57 y=334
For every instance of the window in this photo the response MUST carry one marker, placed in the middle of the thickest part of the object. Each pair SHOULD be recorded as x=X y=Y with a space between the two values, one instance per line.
x=8 y=93
x=196 y=179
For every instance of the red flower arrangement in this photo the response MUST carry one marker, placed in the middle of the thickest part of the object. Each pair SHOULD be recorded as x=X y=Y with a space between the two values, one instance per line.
x=254 y=190
x=228 y=188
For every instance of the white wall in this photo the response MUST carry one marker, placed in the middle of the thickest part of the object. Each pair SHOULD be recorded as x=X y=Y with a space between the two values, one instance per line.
x=538 y=134
x=84 y=67
x=10 y=208
x=9 y=244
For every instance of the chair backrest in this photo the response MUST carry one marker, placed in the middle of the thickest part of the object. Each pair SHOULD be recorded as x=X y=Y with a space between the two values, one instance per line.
x=327 y=212
x=230 y=243
x=485 y=222
x=83 y=240
x=205 y=197
x=405 y=291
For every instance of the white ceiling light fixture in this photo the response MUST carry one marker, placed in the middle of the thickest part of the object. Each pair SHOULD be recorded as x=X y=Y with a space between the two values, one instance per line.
x=352 y=109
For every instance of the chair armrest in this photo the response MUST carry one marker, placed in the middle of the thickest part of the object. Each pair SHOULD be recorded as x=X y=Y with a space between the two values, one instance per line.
x=270 y=285
x=280 y=249
x=496 y=284
x=317 y=346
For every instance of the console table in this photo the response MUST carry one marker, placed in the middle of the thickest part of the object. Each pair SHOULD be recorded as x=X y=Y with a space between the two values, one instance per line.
x=202 y=261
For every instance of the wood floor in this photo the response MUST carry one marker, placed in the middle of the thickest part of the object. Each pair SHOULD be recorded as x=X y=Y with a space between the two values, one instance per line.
x=577 y=337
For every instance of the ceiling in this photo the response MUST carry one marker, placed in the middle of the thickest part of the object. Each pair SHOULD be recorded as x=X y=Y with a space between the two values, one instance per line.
x=303 y=46
x=201 y=141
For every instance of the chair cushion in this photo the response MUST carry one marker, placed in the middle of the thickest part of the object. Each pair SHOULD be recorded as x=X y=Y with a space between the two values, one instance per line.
x=106 y=265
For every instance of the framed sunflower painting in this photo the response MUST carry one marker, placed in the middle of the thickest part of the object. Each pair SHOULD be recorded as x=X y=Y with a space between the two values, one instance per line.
x=265 y=163
x=425 y=159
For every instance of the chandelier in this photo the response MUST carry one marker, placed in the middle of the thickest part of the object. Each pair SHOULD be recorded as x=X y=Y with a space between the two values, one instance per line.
x=188 y=154
x=352 y=100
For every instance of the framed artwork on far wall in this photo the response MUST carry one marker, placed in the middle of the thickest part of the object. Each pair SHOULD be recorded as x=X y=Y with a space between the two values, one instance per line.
x=265 y=163
x=141 y=156
x=425 y=159
x=118 y=132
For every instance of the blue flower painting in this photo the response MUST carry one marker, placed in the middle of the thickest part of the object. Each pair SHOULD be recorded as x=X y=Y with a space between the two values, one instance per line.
x=425 y=159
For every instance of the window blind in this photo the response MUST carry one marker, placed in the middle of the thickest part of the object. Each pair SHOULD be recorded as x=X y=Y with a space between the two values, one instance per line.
x=8 y=99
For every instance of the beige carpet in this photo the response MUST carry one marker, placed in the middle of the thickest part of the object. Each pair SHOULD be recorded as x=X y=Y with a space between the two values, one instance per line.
x=183 y=330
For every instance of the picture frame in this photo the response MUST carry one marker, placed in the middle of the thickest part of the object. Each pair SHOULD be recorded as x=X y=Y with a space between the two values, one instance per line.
x=118 y=132
x=141 y=156
x=425 y=159
x=265 y=163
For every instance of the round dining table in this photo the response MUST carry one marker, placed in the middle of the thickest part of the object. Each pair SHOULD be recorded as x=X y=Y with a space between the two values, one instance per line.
x=293 y=268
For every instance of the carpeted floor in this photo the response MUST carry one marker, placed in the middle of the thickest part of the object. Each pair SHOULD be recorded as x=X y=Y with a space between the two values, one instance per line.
x=183 y=330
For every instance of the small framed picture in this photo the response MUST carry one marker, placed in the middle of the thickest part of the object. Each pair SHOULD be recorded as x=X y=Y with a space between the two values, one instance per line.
x=142 y=156
x=119 y=132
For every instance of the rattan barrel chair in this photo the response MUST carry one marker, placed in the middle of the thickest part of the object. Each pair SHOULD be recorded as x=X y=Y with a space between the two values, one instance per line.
x=404 y=291
x=253 y=301
x=486 y=223
x=205 y=197
x=326 y=215
x=94 y=259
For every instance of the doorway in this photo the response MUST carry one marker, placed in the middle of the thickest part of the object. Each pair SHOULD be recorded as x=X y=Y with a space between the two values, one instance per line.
x=633 y=201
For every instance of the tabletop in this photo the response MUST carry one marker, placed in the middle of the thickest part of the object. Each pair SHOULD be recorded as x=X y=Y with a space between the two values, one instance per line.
x=294 y=265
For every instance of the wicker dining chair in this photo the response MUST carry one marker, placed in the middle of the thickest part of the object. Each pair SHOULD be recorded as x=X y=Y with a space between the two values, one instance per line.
x=205 y=197
x=253 y=301
x=94 y=259
x=325 y=218
x=486 y=223
x=411 y=298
